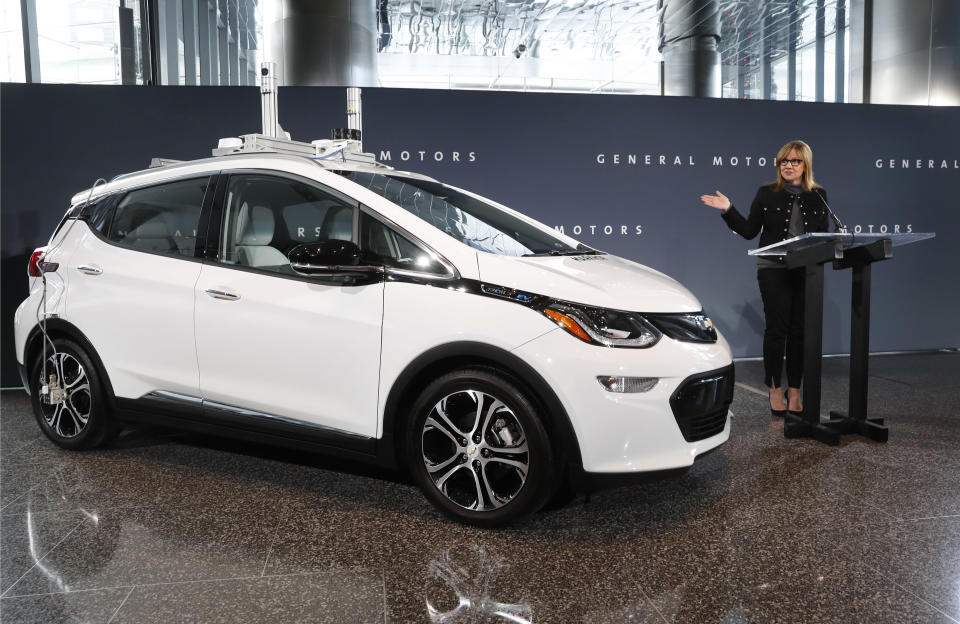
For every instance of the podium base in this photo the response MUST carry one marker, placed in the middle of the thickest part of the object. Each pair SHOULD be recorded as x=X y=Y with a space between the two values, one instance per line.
x=829 y=431
x=799 y=427
x=872 y=428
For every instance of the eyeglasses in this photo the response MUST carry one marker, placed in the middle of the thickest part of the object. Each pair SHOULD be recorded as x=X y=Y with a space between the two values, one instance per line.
x=793 y=162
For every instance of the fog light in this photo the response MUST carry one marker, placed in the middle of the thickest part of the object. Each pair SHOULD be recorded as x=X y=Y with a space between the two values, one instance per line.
x=627 y=384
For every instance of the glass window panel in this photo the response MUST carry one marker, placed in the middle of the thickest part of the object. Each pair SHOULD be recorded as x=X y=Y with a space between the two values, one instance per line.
x=830 y=69
x=807 y=73
x=466 y=218
x=779 y=88
x=846 y=66
x=266 y=217
x=79 y=41
x=160 y=219
x=808 y=24
x=11 y=42
x=752 y=86
x=730 y=89
x=384 y=245
x=830 y=17
x=100 y=213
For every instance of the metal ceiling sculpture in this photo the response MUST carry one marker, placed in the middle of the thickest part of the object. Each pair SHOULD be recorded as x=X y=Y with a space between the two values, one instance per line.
x=583 y=29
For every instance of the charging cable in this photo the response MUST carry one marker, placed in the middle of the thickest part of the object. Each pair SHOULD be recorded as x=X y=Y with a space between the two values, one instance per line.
x=50 y=384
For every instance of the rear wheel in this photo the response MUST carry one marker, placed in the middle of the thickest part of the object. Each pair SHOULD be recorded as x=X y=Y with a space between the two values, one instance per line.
x=79 y=419
x=478 y=450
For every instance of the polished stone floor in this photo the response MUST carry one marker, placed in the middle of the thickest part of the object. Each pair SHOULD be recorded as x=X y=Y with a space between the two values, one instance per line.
x=167 y=527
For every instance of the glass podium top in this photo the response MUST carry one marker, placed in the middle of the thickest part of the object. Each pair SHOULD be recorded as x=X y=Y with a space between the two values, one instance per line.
x=847 y=240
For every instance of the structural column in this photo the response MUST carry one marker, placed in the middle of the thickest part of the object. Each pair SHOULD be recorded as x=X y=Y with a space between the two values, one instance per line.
x=190 y=41
x=128 y=55
x=820 y=49
x=31 y=50
x=207 y=26
x=766 y=71
x=233 y=43
x=840 y=51
x=332 y=43
x=223 y=52
x=169 y=55
x=793 y=33
x=689 y=34
x=911 y=52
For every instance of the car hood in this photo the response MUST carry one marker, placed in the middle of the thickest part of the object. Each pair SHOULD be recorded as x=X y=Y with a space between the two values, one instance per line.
x=598 y=280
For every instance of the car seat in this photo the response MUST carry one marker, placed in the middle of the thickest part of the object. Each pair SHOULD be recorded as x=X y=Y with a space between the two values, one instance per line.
x=255 y=225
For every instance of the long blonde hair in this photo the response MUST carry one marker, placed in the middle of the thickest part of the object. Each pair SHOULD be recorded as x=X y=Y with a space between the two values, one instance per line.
x=806 y=154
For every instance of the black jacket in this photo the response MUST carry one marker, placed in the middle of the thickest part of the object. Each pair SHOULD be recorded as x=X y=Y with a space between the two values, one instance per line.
x=770 y=213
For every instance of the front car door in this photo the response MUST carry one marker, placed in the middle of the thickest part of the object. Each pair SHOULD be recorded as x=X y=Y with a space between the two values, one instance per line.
x=272 y=345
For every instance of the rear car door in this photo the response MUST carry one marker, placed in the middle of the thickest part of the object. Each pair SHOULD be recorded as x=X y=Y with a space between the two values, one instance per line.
x=131 y=287
x=274 y=346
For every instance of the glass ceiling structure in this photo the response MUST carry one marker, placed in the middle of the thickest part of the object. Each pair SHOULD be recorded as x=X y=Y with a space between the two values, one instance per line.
x=772 y=49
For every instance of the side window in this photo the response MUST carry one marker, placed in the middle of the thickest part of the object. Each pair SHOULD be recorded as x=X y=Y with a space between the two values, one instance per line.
x=161 y=219
x=265 y=217
x=382 y=244
x=82 y=210
x=99 y=213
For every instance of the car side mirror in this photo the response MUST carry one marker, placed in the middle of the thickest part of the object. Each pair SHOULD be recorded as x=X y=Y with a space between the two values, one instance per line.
x=330 y=258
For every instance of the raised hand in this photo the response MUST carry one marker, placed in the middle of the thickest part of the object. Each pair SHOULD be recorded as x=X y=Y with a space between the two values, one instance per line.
x=718 y=201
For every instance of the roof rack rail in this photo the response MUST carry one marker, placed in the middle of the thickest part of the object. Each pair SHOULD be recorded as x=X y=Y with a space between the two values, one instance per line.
x=162 y=162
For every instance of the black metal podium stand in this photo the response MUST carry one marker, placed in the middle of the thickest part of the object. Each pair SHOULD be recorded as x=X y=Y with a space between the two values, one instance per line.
x=857 y=252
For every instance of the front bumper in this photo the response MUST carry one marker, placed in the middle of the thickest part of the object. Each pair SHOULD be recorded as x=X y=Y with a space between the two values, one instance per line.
x=594 y=481
x=684 y=416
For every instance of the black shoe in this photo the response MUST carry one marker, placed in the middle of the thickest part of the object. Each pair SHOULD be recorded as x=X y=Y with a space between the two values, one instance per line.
x=797 y=413
x=778 y=413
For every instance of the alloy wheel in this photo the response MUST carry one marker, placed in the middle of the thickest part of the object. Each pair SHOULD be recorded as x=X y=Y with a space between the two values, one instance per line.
x=475 y=450
x=69 y=417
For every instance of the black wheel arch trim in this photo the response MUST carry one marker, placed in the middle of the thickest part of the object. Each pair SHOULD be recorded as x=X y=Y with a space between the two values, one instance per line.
x=71 y=331
x=409 y=383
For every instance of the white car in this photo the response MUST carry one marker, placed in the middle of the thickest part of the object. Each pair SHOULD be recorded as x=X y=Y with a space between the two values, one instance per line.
x=369 y=314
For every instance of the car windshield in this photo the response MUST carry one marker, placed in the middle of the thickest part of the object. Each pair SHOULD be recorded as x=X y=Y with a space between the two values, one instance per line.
x=467 y=219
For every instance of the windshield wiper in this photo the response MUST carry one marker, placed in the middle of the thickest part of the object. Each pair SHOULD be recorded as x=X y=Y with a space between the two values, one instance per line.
x=570 y=252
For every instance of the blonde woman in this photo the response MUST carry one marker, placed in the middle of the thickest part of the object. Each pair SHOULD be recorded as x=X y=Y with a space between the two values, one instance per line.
x=792 y=205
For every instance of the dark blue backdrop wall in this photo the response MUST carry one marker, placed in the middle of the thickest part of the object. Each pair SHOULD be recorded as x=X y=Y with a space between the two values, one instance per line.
x=620 y=173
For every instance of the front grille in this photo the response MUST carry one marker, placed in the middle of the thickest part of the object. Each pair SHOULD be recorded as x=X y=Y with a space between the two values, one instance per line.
x=700 y=403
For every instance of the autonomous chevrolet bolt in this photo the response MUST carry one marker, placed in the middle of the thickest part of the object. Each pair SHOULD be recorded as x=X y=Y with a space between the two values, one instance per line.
x=340 y=306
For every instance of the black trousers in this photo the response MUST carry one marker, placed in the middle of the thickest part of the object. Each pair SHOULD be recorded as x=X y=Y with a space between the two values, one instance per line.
x=782 y=294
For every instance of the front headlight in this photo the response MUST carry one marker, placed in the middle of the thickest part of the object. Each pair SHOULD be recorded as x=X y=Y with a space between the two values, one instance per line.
x=695 y=327
x=599 y=326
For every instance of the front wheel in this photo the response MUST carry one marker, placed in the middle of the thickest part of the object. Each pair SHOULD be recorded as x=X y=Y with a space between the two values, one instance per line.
x=478 y=450
x=79 y=419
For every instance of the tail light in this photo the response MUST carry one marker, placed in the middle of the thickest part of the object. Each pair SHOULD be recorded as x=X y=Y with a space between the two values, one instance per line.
x=37 y=268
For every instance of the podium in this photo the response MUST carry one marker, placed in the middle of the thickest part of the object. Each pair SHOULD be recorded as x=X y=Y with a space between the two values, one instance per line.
x=845 y=251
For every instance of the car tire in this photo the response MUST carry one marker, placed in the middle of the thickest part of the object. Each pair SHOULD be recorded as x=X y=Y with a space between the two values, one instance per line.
x=82 y=420
x=478 y=449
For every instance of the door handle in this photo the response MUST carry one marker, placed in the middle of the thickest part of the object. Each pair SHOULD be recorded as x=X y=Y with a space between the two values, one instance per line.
x=222 y=295
x=90 y=269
